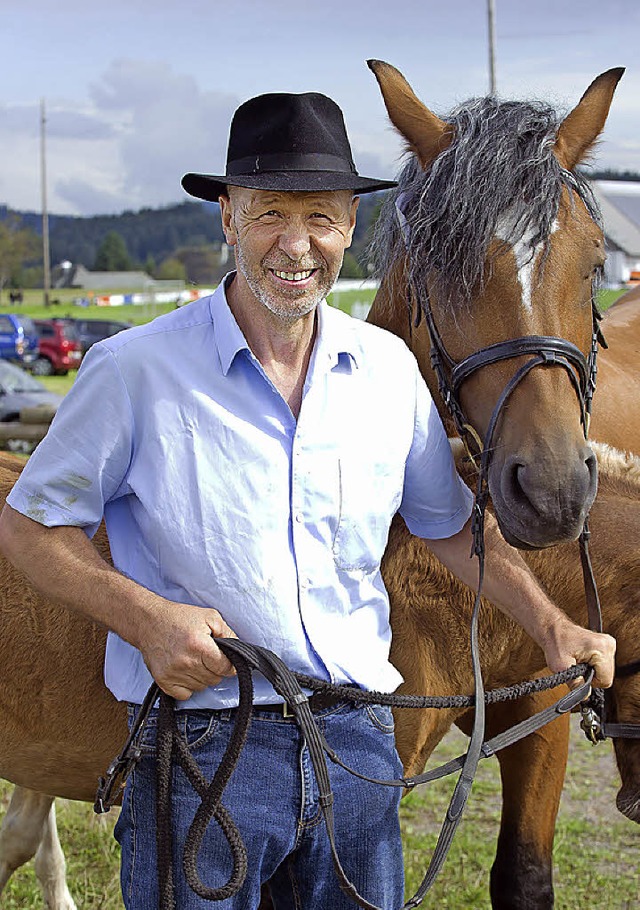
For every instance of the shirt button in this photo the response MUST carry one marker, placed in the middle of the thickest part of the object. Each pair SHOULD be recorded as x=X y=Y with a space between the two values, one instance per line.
x=299 y=517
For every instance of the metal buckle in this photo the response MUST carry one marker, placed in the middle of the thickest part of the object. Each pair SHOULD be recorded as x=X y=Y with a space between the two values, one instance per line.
x=286 y=710
x=591 y=725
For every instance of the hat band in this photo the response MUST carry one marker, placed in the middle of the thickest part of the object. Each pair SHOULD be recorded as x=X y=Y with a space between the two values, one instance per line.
x=257 y=164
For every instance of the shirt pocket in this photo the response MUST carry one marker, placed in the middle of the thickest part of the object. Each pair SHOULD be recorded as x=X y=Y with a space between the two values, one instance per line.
x=369 y=495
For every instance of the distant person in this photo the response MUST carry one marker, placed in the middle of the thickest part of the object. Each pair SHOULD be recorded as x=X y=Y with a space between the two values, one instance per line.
x=248 y=452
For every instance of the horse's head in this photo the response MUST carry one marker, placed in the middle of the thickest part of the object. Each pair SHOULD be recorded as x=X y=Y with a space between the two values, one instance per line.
x=492 y=236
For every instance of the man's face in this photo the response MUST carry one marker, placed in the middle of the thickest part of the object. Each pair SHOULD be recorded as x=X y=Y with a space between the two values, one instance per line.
x=289 y=246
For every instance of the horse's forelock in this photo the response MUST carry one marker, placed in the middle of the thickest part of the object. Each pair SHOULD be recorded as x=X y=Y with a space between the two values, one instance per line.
x=500 y=160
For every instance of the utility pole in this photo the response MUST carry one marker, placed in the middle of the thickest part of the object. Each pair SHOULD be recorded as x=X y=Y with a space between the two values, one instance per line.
x=46 y=258
x=491 y=13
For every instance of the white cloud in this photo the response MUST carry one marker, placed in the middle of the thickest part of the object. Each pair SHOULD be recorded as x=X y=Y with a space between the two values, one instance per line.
x=142 y=127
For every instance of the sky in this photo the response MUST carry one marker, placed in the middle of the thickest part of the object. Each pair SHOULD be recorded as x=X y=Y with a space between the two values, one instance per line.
x=138 y=92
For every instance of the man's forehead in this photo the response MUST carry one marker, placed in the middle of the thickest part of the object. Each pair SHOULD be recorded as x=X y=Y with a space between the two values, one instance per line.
x=326 y=198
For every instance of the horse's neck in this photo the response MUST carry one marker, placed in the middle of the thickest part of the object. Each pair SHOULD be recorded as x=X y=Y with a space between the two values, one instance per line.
x=390 y=311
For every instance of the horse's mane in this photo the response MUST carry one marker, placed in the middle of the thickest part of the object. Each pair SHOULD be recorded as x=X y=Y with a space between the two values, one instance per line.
x=500 y=162
x=617 y=471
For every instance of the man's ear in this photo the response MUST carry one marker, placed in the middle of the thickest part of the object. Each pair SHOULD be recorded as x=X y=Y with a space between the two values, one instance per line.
x=228 y=225
x=355 y=202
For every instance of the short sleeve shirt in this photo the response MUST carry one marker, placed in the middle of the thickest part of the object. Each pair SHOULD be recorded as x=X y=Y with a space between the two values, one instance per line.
x=214 y=494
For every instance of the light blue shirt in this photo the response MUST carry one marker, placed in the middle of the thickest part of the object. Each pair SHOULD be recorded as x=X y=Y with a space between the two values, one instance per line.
x=213 y=494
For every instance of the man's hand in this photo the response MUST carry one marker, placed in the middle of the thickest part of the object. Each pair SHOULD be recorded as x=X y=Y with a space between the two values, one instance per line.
x=568 y=644
x=179 y=650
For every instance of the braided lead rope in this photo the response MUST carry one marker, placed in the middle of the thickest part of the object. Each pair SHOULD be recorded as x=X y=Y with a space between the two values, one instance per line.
x=172 y=749
x=245 y=656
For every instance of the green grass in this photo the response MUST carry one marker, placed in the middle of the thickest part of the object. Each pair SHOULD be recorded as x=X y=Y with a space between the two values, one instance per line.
x=606 y=298
x=596 y=849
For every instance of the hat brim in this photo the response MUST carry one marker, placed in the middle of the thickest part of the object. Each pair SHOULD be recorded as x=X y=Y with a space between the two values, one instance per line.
x=210 y=187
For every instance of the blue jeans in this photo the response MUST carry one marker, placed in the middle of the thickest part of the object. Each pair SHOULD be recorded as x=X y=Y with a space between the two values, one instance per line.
x=272 y=798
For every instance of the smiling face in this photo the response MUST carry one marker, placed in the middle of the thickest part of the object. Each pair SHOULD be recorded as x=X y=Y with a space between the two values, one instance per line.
x=289 y=246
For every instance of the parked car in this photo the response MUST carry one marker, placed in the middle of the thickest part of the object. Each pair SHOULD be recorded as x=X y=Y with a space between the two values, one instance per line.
x=92 y=330
x=60 y=348
x=19 y=390
x=18 y=338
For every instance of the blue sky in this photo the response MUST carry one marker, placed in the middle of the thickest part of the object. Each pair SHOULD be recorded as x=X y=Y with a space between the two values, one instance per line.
x=140 y=91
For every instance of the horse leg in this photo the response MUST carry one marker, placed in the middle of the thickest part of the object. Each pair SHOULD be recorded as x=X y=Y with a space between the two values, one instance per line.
x=50 y=867
x=532 y=773
x=28 y=829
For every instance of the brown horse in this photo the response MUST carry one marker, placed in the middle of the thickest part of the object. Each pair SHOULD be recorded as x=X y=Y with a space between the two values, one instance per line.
x=61 y=727
x=524 y=287
x=491 y=229
x=616 y=416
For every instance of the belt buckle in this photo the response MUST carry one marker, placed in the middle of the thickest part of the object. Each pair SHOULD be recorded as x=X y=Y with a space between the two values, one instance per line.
x=286 y=710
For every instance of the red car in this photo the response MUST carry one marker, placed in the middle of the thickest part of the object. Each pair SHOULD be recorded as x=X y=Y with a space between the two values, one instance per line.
x=60 y=348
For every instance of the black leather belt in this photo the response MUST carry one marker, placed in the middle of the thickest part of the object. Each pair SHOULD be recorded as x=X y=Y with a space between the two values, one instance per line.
x=319 y=701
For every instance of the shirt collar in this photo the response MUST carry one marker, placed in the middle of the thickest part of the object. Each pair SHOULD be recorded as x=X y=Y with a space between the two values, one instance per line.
x=228 y=336
x=336 y=341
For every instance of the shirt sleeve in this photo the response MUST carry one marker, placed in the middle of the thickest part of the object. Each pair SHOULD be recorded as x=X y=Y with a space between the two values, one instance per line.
x=436 y=503
x=83 y=460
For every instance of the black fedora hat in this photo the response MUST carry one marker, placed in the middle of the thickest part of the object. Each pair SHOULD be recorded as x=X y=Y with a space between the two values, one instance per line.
x=286 y=142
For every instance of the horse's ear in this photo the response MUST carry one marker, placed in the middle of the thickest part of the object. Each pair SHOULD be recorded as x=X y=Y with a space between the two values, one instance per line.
x=426 y=134
x=580 y=129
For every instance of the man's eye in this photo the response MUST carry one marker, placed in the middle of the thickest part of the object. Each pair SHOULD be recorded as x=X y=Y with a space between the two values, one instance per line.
x=320 y=215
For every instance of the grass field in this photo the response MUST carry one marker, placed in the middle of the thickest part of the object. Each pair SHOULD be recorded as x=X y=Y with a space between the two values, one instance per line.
x=596 y=849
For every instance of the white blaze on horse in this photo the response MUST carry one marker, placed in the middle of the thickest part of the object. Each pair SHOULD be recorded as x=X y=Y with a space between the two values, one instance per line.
x=462 y=191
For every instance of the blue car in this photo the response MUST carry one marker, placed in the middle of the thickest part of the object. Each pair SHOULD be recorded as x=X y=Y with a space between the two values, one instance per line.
x=19 y=341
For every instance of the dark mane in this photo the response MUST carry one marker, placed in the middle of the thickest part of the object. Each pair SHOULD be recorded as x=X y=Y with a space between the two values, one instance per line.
x=500 y=161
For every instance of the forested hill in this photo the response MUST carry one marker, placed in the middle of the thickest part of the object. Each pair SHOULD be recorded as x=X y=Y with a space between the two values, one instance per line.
x=150 y=233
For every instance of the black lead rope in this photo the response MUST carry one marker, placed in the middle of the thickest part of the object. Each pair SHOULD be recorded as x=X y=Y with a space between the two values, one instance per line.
x=248 y=658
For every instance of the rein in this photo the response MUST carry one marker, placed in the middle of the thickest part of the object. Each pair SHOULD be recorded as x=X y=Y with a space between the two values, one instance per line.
x=247 y=658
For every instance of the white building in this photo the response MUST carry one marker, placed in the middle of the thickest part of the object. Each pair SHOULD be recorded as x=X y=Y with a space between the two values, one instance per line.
x=619 y=202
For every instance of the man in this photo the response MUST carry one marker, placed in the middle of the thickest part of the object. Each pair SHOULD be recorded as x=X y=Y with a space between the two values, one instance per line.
x=248 y=453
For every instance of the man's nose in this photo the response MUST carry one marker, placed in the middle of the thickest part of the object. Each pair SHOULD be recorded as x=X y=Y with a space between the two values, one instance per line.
x=294 y=240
